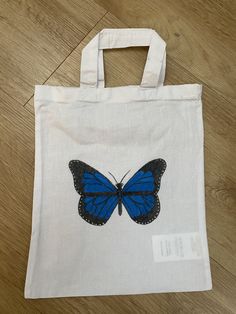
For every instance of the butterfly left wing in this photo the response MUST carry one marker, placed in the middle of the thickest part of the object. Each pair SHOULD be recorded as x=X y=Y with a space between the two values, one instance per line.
x=139 y=194
x=98 y=195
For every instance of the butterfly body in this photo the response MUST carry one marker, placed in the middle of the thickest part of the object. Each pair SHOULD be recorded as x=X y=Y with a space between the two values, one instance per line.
x=119 y=194
x=99 y=197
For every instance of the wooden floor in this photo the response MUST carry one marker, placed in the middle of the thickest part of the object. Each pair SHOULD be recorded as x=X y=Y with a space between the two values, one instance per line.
x=40 y=43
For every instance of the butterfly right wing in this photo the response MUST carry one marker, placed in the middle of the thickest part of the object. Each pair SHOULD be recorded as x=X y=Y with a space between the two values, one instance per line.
x=98 y=195
x=139 y=194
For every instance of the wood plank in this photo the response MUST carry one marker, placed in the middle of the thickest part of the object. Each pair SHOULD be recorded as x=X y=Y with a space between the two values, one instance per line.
x=17 y=129
x=199 y=34
x=125 y=67
x=36 y=36
x=219 y=132
x=16 y=171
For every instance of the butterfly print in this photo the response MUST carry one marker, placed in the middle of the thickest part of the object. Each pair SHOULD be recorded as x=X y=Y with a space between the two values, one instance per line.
x=99 y=196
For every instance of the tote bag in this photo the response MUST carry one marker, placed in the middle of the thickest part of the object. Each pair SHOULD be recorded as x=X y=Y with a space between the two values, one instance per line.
x=118 y=203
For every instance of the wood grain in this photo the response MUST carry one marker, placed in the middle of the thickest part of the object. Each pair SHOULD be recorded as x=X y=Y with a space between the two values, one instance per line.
x=41 y=44
x=199 y=34
x=35 y=38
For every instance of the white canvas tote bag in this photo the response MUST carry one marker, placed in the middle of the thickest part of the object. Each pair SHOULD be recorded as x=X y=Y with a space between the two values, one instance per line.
x=118 y=202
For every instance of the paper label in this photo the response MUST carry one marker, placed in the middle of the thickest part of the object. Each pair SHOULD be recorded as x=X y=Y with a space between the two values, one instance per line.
x=176 y=247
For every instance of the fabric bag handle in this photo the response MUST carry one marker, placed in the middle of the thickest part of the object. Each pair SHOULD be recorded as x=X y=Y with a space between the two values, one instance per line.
x=92 y=64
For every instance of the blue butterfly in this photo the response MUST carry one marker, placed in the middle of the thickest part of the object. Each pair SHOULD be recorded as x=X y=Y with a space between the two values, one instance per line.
x=99 y=197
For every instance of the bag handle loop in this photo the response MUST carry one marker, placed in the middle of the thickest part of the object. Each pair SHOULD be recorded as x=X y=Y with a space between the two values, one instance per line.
x=92 y=64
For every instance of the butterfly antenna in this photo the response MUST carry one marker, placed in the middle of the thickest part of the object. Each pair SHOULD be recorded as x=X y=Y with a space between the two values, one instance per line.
x=113 y=176
x=125 y=176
